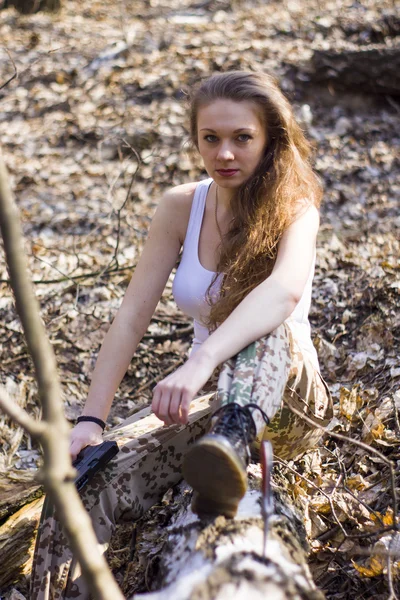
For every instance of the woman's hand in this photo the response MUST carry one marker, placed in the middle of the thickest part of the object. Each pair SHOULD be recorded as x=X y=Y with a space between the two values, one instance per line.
x=172 y=396
x=84 y=434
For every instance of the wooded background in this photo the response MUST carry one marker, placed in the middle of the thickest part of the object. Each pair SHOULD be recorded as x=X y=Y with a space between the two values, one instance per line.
x=93 y=128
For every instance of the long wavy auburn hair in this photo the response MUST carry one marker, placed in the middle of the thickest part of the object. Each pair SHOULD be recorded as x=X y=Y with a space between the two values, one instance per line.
x=267 y=203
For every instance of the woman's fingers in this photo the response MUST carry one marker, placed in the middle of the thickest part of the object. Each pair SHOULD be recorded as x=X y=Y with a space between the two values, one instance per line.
x=74 y=449
x=172 y=396
x=162 y=404
x=171 y=402
x=82 y=435
x=174 y=406
x=186 y=399
x=156 y=400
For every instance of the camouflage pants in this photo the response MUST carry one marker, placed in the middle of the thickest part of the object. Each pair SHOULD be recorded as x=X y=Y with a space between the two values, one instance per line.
x=272 y=372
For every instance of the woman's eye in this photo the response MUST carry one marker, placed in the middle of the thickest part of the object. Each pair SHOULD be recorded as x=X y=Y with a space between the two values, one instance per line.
x=210 y=138
x=244 y=137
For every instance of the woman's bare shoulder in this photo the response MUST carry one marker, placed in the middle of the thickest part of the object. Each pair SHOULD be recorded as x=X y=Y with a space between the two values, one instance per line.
x=177 y=202
x=305 y=221
x=180 y=195
x=305 y=210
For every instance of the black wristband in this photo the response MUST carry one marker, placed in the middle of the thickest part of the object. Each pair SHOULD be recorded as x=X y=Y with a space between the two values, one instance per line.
x=93 y=420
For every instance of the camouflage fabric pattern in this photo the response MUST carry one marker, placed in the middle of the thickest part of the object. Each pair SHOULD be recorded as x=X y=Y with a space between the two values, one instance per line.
x=272 y=372
x=148 y=464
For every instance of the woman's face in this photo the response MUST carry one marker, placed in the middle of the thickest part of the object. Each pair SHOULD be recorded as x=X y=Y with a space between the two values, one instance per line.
x=231 y=140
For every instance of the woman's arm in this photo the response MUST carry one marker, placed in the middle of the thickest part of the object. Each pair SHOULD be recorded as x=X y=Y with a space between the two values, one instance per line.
x=273 y=301
x=259 y=313
x=142 y=295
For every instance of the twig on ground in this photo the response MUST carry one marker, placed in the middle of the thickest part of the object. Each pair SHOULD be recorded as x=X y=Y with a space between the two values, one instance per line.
x=15 y=70
x=9 y=361
x=169 y=335
x=369 y=449
x=393 y=595
x=100 y=273
x=114 y=259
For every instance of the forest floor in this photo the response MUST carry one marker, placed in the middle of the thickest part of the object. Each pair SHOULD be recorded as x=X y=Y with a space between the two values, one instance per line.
x=93 y=130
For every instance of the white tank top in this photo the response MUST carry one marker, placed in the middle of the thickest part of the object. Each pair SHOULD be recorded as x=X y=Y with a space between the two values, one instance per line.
x=192 y=281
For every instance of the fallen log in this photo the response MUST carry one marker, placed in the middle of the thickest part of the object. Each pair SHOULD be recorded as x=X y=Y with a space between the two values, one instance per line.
x=221 y=559
x=179 y=556
x=20 y=507
x=372 y=71
x=17 y=540
x=16 y=490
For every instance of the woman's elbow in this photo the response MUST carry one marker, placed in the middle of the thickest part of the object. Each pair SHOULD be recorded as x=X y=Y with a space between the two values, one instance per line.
x=288 y=291
x=291 y=301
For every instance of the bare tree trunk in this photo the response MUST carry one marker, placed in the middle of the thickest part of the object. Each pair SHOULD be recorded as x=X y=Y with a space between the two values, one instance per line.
x=53 y=431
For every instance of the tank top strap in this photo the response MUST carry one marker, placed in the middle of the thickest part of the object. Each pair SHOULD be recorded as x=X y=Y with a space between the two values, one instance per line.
x=196 y=216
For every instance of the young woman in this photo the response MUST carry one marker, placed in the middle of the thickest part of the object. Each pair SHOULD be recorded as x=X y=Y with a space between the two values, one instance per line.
x=247 y=236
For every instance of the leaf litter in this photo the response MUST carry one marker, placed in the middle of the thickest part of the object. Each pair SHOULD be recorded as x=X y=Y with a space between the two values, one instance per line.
x=94 y=129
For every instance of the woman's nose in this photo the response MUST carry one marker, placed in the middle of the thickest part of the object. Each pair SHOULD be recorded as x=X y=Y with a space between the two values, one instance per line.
x=225 y=152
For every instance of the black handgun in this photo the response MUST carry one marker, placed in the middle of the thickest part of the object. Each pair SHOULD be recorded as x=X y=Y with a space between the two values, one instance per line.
x=91 y=459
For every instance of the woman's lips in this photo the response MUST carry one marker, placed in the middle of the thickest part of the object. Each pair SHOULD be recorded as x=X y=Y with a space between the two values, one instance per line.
x=227 y=172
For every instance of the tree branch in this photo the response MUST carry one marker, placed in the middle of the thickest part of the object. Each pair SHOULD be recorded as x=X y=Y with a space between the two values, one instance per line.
x=359 y=444
x=57 y=474
x=74 y=278
x=20 y=416
x=15 y=70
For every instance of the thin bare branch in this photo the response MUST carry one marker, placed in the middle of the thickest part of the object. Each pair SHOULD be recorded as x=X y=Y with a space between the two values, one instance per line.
x=74 y=278
x=57 y=471
x=20 y=416
x=15 y=70
x=338 y=436
x=369 y=449
x=27 y=305
x=114 y=259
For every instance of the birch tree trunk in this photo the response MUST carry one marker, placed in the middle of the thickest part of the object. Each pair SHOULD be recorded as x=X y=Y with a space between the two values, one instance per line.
x=221 y=559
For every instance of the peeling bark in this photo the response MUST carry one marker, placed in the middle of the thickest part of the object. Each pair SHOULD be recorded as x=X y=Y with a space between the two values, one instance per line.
x=221 y=559
x=15 y=493
x=17 y=541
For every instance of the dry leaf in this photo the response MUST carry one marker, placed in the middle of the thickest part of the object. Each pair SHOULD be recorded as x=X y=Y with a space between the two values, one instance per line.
x=350 y=402
x=374 y=567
